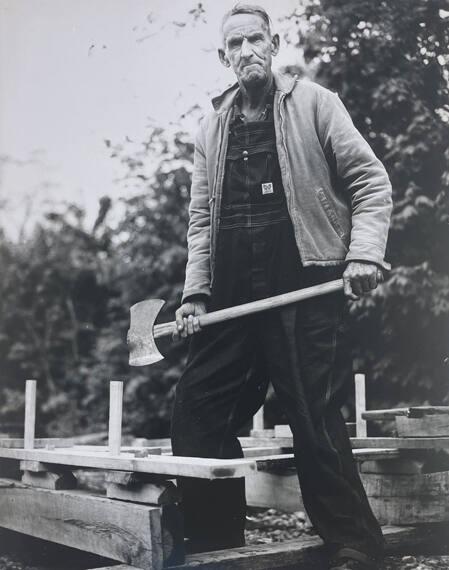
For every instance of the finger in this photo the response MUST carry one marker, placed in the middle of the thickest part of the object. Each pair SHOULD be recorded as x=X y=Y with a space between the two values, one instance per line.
x=179 y=321
x=380 y=276
x=365 y=284
x=356 y=286
x=175 y=335
x=184 y=328
x=190 y=325
x=347 y=289
x=372 y=280
x=196 y=324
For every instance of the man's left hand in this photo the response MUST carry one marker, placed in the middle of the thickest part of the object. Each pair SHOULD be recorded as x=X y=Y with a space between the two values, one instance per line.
x=360 y=278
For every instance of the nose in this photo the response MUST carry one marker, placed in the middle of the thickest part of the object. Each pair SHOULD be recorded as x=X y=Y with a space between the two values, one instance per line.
x=245 y=49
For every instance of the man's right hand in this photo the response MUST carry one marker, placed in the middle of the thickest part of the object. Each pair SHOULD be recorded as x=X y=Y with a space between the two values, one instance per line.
x=187 y=322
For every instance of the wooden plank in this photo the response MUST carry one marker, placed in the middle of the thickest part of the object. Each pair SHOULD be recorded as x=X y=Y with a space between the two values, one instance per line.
x=423 y=484
x=118 y=567
x=150 y=493
x=417 y=510
x=302 y=554
x=284 y=442
x=39 y=443
x=258 y=419
x=402 y=442
x=427 y=426
x=399 y=466
x=274 y=491
x=122 y=531
x=115 y=417
x=30 y=413
x=175 y=466
x=50 y=480
x=262 y=433
x=360 y=405
x=135 y=450
x=287 y=460
x=412 y=411
x=283 y=431
x=259 y=451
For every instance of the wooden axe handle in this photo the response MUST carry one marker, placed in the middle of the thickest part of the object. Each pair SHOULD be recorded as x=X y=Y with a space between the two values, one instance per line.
x=222 y=315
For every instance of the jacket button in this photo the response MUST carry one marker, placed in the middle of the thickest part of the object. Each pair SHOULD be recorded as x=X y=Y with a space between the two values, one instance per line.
x=245 y=153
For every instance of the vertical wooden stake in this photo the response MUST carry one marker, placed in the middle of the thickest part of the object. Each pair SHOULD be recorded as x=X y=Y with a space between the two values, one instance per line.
x=360 y=405
x=115 y=417
x=30 y=414
x=258 y=423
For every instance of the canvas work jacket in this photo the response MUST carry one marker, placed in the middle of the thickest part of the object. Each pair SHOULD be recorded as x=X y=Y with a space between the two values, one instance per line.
x=338 y=192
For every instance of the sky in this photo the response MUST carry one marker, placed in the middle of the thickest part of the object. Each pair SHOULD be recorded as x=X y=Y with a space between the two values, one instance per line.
x=76 y=73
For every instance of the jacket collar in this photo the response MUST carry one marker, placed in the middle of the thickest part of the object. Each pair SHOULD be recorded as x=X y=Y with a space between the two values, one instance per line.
x=283 y=83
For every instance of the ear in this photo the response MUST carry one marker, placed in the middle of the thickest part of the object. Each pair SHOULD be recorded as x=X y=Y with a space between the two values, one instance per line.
x=223 y=58
x=275 y=44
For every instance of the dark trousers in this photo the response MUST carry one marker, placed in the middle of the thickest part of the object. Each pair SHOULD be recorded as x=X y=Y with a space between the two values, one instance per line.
x=303 y=350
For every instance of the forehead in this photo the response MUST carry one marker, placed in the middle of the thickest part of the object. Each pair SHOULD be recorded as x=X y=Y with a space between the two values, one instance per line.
x=243 y=24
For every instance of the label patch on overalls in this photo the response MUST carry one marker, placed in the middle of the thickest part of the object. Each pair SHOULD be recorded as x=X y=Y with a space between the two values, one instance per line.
x=267 y=188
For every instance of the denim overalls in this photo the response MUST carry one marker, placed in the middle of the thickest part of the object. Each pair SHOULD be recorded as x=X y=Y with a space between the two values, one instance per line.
x=256 y=253
x=301 y=349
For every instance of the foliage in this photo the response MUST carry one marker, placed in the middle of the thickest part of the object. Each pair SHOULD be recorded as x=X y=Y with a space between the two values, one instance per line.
x=66 y=291
x=389 y=62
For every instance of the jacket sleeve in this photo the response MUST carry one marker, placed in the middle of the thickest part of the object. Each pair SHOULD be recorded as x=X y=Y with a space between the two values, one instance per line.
x=363 y=176
x=198 y=236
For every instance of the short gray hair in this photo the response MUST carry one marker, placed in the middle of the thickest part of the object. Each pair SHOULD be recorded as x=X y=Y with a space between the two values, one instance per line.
x=240 y=8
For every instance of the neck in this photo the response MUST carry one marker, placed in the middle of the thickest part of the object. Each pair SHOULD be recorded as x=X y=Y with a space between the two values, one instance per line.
x=253 y=98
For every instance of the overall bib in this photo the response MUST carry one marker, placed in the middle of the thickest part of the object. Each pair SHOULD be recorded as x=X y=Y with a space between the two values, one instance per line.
x=301 y=349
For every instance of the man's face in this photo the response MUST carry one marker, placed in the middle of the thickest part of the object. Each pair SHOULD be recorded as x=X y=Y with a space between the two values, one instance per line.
x=248 y=48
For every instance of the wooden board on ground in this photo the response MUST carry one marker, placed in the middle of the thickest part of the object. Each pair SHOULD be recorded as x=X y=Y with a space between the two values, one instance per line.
x=157 y=464
x=122 y=531
x=303 y=554
x=427 y=426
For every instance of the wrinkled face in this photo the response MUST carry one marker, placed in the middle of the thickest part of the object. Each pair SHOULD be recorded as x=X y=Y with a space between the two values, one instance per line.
x=248 y=48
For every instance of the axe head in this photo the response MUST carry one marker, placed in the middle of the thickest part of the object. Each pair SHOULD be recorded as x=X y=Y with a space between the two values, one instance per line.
x=142 y=347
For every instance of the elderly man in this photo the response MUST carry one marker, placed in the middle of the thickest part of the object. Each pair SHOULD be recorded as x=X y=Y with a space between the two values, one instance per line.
x=285 y=194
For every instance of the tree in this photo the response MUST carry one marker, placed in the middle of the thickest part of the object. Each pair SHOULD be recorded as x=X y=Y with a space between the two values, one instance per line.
x=389 y=63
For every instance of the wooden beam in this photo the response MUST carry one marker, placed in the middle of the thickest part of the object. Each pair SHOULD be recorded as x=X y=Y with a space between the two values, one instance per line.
x=412 y=411
x=302 y=554
x=165 y=493
x=399 y=466
x=50 y=480
x=115 y=417
x=287 y=460
x=30 y=413
x=174 y=466
x=39 y=443
x=360 y=405
x=114 y=529
x=402 y=442
x=427 y=426
x=117 y=567
x=274 y=491
x=258 y=419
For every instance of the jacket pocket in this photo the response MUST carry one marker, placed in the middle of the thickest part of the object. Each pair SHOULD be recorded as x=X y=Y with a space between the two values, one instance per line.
x=330 y=213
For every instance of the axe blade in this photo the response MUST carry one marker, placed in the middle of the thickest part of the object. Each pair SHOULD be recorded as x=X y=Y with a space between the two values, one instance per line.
x=142 y=346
